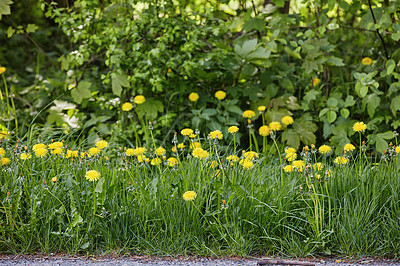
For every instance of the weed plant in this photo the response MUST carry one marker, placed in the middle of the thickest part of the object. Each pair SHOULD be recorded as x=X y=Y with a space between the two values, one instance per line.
x=207 y=197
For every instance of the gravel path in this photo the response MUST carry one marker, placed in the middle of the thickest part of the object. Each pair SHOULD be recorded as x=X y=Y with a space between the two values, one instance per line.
x=42 y=260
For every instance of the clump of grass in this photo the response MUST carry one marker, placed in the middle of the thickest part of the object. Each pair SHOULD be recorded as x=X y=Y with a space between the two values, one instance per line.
x=200 y=196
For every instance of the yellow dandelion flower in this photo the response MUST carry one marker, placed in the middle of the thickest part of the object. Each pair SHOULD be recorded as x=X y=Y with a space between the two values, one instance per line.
x=359 y=126
x=2 y=70
x=275 y=126
x=94 y=151
x=72 y=154
x=101 y=144
x=54 y=179
x=38 y=146
x=397 y=150
x=142 y=158
x=155 y=161
x=290 y=150
x=172 y=161
x=4 y=161
x=298 y=164
x=195 y=145
x=4 y=134
x=186 y=132
x=216 y=134
x=174 y=149
x=140 y=151
x=55 y=145
x=2 y=152
x=288 y=168
x=189 y=195
x=199 y=153
x=318 y=166
x=220 y=95
x=160 y=151
x=92 y=175
x=325 y=149
x=341 y=160
x=232 y=158
x=233 y=129
x=291 y=156
x=57 y=151
x=315 y=81
x=40 y=153
x=261 y=108
x=84 y=154
x=25 y=156
x=126 y=107
x=264 y=131
x=181 y=146
x=193 y=97
x=349 y=147
x=139 y=99
x=246 y=163
x=287 y=120
x=250 y=155
x=130 y=152
x=249 y=114
x=366 y=61
x=214 y=164
x=192 y=136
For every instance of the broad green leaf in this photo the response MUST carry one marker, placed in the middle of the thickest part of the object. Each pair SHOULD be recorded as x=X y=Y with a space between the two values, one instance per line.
x=349 y=101
x=292 y=138
x=254 y=24
x=31 y=28
x=5 y=7
x=363 y=91
x=335 y=61
x=331 y=115
x=247 y=47
x=235 y=109
x=81 y=91
x=117 y=82
x=150 y=109
x=372 y=102
x=396 y=36
x=390 y=65
x=345 y=112
x=395 y=105
x=323 y=112
x=380 y=140
x=99 y=185
x=332 y=102
x=291 y=52
x=10 y=32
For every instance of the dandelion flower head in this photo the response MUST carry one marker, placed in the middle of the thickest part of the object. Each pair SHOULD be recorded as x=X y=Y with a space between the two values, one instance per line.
x=126 y=107
x=249 y=114
x=233 y=129
x=232 y=158
x=186 y=132
x=140 y=151
x=193 y=97
x=195 y=145
x=287 y=120
x=2 y=70
x=38 y=146
x=366 y=61
x=94 y=151
x=275 y=126
x=359 y=126
x=92 y=175
x=189 y=195
x=349 y=147
x=101 y=144
x=55 y=145
x=200 y=153
x=250 y=155
x=155 y=161
x=261 y=108
x=264 y=131
x=139 y=99
x=2 y=152
x=4 y=161
x=57 y=151
x=216 y=134
x=290 y=150
x=397 y=150
x=130 y=152
x=291 y=156
x=325 y=149
x=160 y=151
x=25 y=156
x=288 y=168
x=220 y=95
x=341 y=160
x=315 y=81
x=40 y=153
x=172 y=161
x=4 y=134
x=181 y=146
x=246 y=163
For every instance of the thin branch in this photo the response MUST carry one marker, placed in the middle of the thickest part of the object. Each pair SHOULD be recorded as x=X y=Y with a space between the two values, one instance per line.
x=377 y=30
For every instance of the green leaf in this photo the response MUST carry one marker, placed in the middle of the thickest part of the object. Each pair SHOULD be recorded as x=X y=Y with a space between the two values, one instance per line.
x=254 y=24
x=31 y=28
x=363 y=91
x=291 y=52
x=99 y=185
x=245 y=49
x=380 y=140
x=335 y=61
x=235 y=109
x=372 y=102
x=292 y=138
x=150 y=108
x=349 y=101
x=10 y=32
x=5 y=7
x=81 y=91
x=390 y=65
x=331 y=115
x=344 y=112
x=395 y=105
x=396 y=36
x=117 y=82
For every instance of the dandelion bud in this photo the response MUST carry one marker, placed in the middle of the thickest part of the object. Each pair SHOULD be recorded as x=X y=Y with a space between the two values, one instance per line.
x=54 y=179
x=150 y=126
x=44 y=182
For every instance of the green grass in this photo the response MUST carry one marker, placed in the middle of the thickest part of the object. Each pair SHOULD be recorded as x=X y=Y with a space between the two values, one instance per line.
x=138 y=208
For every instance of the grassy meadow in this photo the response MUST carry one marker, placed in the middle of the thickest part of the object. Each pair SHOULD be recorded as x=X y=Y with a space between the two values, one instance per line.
x=199 y=195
